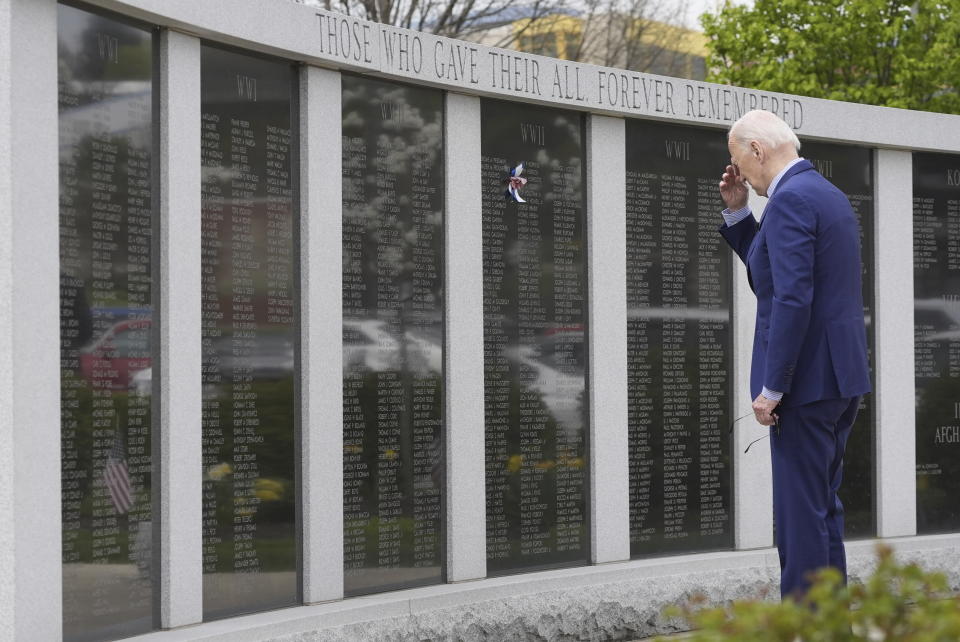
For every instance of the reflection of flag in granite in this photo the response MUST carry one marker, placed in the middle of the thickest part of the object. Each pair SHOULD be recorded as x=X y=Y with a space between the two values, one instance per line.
x=515 y=182
x=117 y=478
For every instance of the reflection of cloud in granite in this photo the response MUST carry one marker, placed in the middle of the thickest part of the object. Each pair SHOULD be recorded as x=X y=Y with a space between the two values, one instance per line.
x=353 y=120
x=405 y=144
x=569 y=123
x=411 y=119
x=563 y=160
x=427 y=135
x=354 y=95
x=214 y=173
x=394 y=193
x=124 y=113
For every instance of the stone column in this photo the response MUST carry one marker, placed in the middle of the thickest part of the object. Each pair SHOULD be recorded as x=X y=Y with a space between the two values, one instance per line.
x=895 y=383
x=321 y=310
x=180 y=369
x=463 y=346
x=752 y=475
x=607 y=331
x=30 y=547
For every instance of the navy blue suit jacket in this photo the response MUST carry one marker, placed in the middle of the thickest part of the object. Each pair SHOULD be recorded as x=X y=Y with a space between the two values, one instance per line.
x=803 y=264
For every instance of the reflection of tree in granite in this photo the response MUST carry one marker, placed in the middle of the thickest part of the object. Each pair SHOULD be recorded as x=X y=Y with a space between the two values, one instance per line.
x=108 y=51
x=392 y=331
x=678 y=330
x=534 y=337
x=521 y=469
x=79 y=481
x=411 y=478
x=407 y=142
x=104 y=132
x=123 y=230
x=76 y=319
x=269 y=499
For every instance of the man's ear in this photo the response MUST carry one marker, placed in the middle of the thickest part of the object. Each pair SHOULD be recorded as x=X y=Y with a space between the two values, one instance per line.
x=756 y=150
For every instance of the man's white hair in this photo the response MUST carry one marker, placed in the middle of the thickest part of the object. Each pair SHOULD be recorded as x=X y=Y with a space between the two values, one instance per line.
x=764 y=127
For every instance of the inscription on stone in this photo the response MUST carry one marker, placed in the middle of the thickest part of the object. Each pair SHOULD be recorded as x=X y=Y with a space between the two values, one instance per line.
x=411 y=54
x=249 y=307
x=392 y=335
x=936 y=312
x=534 y=302
x=679 y=341
x=106 y=311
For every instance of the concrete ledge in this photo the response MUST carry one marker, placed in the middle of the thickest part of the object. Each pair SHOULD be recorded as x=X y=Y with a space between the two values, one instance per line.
x=622 y=600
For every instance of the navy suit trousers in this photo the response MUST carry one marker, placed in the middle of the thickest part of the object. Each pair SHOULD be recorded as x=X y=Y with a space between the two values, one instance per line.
x=807 y=455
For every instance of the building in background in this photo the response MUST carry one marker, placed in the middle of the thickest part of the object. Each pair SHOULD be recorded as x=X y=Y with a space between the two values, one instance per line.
x=609 y=38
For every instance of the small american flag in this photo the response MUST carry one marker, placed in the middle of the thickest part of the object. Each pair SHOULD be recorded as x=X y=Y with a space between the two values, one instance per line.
x=117 y=478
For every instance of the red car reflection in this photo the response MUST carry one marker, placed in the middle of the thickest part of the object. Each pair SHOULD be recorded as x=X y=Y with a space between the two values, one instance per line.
x=117 y=355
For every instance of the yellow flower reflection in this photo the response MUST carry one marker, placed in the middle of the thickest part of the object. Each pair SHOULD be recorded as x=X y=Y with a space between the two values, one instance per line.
x=268 y=490
x=218 y=472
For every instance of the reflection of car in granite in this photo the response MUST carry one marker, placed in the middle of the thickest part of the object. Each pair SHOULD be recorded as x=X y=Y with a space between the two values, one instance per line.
x=366 y=344
x=369 y=344
x=141 y=383
x=117 y=355
x=557 y=373
x=939 y=317
x=685 y=314
x=270 y=357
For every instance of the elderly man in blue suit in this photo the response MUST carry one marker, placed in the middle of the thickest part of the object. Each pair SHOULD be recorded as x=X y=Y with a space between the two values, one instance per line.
x=809 y=365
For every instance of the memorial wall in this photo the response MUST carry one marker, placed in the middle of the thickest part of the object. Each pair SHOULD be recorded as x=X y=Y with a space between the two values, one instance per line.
x=249 y=333
x=393 y=274
x=850 y=168
x=936 y=310
x=679 y=341
x=107 y=222
x=532 y=161
x=534 y=324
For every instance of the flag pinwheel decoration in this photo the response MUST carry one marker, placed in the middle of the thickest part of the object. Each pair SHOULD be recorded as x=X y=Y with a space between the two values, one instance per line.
x=515 y=182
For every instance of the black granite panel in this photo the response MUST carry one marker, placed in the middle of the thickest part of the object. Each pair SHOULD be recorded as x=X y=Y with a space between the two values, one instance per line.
x=250 y=312
x=535 y=326
x=851 y=170
x=393 y=226
x=106 y=311
x=679 y=335
x=936 y=317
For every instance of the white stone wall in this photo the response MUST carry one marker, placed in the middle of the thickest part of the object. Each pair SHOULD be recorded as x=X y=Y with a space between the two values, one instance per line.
x=181 y=408
x=614 y=597
x=29 y=348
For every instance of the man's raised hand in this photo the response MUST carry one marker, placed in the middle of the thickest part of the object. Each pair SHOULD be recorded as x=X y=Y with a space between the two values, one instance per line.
x=733 y=189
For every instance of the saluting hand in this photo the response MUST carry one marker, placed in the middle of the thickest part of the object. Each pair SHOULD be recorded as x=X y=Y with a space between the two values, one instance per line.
x=733 y=189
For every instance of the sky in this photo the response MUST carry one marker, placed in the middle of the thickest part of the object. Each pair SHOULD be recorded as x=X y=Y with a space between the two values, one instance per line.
x=696 y=7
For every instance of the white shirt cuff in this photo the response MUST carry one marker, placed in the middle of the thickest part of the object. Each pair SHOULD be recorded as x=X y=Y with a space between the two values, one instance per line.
x=732 y=218
x=771 y=395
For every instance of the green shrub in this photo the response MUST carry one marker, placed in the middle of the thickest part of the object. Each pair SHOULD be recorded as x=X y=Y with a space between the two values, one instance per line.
x=898 y=603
